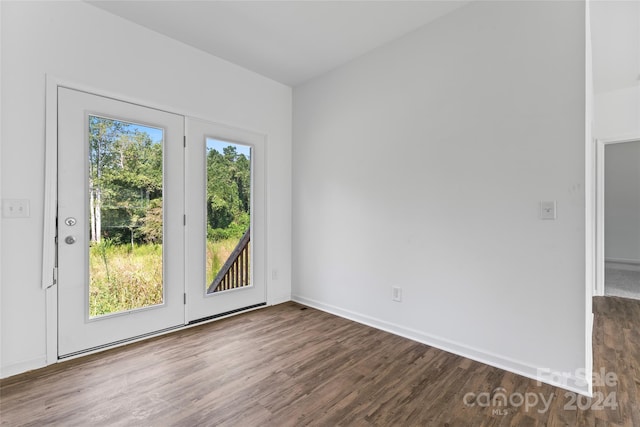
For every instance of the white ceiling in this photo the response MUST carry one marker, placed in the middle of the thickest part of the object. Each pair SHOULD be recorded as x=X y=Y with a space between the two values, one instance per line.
x=287 y=41
x=294 y=41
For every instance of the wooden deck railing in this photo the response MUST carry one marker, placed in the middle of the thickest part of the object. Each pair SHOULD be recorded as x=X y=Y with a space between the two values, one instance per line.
x=235 y=273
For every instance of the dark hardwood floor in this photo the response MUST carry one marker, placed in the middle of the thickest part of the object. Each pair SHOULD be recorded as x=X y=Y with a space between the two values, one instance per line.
x=289 y=365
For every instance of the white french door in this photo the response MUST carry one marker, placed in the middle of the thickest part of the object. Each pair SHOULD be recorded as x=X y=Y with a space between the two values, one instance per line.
x=120 y=221
x=221 y=281
x=157 y=227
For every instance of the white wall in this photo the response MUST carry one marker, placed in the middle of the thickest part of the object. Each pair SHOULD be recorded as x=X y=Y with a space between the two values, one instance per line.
x=422 y=164
x=622 y=202
x=616 y=56
x=80 y=43
x=617 y=113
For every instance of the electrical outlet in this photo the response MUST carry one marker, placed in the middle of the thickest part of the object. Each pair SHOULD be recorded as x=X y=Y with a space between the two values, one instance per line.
x=548 y=210
x=396 y=293
x=15 y=208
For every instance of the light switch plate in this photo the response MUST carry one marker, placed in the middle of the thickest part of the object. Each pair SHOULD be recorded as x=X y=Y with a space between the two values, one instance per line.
x=548 y=210
x=396 y=293
x=15 y=208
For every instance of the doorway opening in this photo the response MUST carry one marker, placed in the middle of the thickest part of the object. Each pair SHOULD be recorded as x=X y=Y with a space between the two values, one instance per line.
x=618 y=218
x=134 y=195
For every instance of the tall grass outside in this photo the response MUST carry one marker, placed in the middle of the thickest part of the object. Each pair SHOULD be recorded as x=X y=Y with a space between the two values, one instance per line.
x=217 y=254
x=124 y=278
x=126 y=212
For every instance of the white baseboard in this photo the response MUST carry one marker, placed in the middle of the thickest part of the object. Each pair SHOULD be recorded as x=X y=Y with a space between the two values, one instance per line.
x=558 y=379
x=623 y=261
x=24 y=366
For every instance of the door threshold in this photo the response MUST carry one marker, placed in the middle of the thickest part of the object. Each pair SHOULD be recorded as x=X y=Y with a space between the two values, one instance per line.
x=119 y=343
x=154 y=334
x=226 y=313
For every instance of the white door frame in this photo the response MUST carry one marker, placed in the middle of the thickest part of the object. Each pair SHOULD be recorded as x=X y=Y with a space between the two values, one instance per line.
x=600 y=159
x=49 y=247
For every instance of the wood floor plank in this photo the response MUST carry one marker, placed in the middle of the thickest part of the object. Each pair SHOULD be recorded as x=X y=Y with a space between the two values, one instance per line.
x=290 y=365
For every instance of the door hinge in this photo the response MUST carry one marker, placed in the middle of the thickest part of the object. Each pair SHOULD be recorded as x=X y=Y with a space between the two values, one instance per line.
x=185 y=298
x=185 y=140
x=184 y=219
x=55 y=276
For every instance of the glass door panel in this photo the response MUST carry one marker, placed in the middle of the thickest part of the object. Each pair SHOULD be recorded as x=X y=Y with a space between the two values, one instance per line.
x=121 y=221
x=225 y=220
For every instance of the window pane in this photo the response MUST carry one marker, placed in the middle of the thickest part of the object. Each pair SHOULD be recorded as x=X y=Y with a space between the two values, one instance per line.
x=125 y=216
x=228 y=216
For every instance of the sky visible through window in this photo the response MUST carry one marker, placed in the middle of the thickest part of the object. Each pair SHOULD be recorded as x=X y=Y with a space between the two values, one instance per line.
x=214 y=144
x=154 y=133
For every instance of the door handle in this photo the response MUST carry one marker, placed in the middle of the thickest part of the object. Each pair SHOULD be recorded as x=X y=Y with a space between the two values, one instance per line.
x=70 y=240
